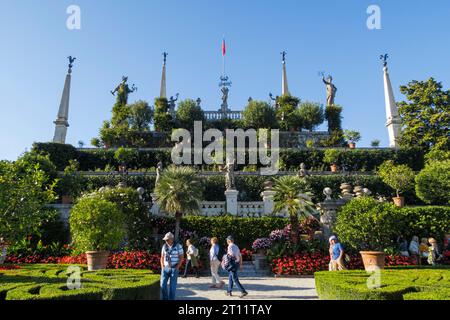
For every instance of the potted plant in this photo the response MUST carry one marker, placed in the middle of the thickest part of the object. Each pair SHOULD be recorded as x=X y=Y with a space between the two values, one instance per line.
x=375 y=143
x=96 y=226
x=70 y=184
x=332 y=157
x=352 y=136
x=398 y=177
x=368 y=226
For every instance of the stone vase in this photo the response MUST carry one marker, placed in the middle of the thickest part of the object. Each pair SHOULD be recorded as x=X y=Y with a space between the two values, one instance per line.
x=373 y=260
x=399 y=201
x=97 y=260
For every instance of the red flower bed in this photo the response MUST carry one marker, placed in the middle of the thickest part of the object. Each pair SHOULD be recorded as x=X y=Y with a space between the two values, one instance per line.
x=308 y=263
x=9 y=267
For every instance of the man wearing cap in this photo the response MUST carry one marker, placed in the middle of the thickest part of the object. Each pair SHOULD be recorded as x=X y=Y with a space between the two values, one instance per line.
x=172 y=256
x=337 y=254
x=234 y=252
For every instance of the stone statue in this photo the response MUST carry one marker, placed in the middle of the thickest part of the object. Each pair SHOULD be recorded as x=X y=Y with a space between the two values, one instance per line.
x=171 y=104
x=123 y=90
x=71 y=61
x=283 y=54
x=331 y=90
x=165 y=54
x=327 y=192
x=275 y=99
x=199 y=102
x=225 y=92
x=159 y=170
x=303 y=172
x=229 y=176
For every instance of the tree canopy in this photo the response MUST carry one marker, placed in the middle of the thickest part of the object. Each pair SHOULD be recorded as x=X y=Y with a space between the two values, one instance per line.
x=188 y=112
x=259 y=115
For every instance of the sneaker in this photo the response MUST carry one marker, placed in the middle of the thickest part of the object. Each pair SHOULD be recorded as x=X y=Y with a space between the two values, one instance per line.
x=243 y=294
x=228 y=294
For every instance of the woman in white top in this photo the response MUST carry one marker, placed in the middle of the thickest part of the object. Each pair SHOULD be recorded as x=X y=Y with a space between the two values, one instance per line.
x=215 y=263
x=192 y=254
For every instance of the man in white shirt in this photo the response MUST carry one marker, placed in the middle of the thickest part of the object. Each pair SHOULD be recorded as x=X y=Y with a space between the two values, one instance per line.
x=234 y=253
x=172 y=256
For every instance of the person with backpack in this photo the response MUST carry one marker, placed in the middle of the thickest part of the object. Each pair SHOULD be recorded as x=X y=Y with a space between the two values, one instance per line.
x=232 y=262
x=215 y=259
x=172 y=257
x=192 y=261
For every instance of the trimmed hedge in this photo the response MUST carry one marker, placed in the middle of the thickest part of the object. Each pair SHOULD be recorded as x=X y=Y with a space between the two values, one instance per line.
x=409 y=284
x=49 y=282
x=353 y=160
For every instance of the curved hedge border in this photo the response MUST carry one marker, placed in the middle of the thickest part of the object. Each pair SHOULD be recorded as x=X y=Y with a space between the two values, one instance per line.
x=49 y=282
x=408 y=284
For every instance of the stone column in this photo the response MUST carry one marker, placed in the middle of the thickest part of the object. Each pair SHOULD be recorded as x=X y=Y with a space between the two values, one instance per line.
x=269 y=204
x=328 y=210
x=232 y=203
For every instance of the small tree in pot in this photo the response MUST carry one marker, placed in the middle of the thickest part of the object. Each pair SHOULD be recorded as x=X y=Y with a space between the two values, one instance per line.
x=398 y=177
x=96 y=226
x=70 y=184
x=352 y=137
x=369 y=226
x=332 y=157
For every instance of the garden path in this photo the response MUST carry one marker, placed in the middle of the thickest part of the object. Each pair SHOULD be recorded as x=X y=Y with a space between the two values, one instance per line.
x=261 y=288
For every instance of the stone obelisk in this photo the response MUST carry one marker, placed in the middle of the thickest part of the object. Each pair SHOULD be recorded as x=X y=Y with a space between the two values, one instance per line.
x=61 y=123
x=393 y=122
x=163 y=92
x=284 y=81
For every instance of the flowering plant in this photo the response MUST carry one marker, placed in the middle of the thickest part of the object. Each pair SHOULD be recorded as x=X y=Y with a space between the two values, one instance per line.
x=247 y=255
x=261 y=244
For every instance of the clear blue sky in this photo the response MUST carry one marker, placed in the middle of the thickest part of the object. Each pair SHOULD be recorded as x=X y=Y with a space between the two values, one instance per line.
x=127 y=38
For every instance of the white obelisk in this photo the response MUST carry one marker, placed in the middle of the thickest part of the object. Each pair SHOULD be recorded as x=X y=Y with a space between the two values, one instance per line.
x=163 y=92
x=61 y=123
x=393 y=122
x=284 y=81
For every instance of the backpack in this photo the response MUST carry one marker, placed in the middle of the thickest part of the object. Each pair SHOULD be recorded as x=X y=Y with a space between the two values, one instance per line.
x=221 y=254
x=229 y=263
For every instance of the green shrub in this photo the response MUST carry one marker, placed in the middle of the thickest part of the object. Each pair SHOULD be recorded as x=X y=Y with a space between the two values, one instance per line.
x=398 y=177
x=59 y=154
x=96 y=224
x=49 y=282
x=366 y=224
x=433 y=183
x=411 y=284
x=331 y=156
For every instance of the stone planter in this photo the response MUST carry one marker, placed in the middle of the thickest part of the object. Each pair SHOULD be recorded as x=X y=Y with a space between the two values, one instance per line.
x=66 y=199
x=97 y=260
x=352 y=145
x=260 y=262
x=399 y=201
x=373 y=260
x=3 y=252
x=334 y=168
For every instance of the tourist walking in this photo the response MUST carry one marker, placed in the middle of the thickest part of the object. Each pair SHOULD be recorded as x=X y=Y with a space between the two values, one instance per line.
x=192 y=261
x=403 y=246
x=423 y=250
x=232 y=262
x=214 y=261
x=172 y=256
x=433 y=252
x=337 y=254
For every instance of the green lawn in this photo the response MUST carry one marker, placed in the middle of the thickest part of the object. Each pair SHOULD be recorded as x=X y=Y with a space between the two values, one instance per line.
x=394 y=284
x=50 y=282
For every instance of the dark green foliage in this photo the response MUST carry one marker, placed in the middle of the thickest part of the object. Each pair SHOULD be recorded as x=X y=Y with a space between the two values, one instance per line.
x=311 y=115
x=49 y=282
x=334 y=118
x=287 y=115
x=426 y=115
x=188 y=112
x=59 y=154
x=259 y=114
x=414 y=284
x=162 y=118
x=433 y=183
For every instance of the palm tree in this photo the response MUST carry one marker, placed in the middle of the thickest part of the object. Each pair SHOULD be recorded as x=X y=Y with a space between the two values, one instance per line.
x=179 y=192
x=291 y=195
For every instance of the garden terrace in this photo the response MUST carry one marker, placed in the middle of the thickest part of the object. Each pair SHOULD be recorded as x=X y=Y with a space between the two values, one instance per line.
x=49 y=282
x=395 y=284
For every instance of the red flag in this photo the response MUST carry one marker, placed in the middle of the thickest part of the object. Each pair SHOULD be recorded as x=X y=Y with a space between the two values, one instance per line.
x=224 y=48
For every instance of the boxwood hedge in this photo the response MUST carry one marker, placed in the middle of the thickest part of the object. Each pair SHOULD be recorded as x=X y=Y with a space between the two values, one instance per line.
x=49 y=282
x=395 y=284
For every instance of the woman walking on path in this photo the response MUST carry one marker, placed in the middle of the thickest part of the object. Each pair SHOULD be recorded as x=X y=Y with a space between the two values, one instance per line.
x=192 y=254
x=337 y=255
x=214 y=260
x=233 y=262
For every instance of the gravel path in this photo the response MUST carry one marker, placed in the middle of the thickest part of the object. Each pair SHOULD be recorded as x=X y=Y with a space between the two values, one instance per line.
x=267 y=288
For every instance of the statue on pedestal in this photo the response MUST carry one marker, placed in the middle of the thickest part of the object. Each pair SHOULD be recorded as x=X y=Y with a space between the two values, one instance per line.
x=225 y=92
x=123 y=90
x=171 y=104
x=159 y=170
x=229 y=176
x=303 y=172
x=331 y=90
x=274 y=99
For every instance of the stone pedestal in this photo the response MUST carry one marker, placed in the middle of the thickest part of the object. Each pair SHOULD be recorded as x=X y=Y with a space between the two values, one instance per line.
x=232 y=201
x=269 y=203
x=328 y=211
x=155 y=210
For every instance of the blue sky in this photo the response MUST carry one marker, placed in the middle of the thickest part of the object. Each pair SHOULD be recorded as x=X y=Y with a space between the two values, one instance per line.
x=127 y=38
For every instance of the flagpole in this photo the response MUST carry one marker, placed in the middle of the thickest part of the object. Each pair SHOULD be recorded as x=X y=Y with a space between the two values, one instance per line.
x=223 y=55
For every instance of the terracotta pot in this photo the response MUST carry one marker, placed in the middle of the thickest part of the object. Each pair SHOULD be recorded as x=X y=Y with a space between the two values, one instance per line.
x=97 y=260
x=373 y=260
x=352 y=145
x=66 y=199
x=334 y=168
x=399 y=201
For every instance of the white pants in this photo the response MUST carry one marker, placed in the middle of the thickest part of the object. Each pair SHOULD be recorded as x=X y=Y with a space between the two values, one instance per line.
x=215 y=271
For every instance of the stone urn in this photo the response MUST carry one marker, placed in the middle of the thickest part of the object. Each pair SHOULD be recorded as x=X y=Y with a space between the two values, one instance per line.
x=97 y=260
x=399 y=201
x=334 y=168
x=373 y=260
